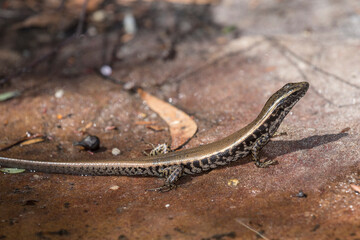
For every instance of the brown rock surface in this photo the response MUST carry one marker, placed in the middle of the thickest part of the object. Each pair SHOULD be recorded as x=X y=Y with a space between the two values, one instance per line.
x=224 y=86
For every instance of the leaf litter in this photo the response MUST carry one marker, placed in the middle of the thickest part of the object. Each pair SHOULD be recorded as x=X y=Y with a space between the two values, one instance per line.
x=182 y=126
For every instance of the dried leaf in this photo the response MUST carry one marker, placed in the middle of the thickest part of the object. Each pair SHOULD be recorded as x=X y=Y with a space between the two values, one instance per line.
x=8 y=95
x=233 y=182
x=182 y=127
x=85 y=128
x=25 y=139
x=32 y=141
x=12 y=170
x=109 y=128
x=355 y=187
x=156 y=128
x=88 y=125
x=345 y=130
x=141 y=115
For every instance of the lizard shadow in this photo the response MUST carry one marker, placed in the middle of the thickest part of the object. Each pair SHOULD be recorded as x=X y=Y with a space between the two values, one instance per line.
x=283 y=147
x=289 y=146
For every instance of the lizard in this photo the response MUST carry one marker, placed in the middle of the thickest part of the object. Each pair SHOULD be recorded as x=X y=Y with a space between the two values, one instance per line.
x=173 y=165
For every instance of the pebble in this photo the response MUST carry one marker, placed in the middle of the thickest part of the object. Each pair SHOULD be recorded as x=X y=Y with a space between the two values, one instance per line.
x=106 y=70
x=115 y=151
x=59 y=93
x=115 y=187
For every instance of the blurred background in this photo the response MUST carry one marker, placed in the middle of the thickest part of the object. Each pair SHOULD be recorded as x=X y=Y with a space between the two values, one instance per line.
x=72 y=37
x=70 y=68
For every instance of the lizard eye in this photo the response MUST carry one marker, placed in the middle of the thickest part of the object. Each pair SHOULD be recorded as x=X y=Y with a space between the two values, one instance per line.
x=287 y=86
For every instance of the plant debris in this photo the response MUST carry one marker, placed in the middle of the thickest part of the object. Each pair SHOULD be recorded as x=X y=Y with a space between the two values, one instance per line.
x=12 y=170
x=145 y=122
x=85 y=128
x=32 y=141
x=28 y=140
x=182 y=126
x=155 y=128
x=8 y=95
x=356 y=188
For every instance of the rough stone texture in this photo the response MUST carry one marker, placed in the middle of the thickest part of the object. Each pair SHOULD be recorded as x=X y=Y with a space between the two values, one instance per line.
x=272 y=17
x=224 y=86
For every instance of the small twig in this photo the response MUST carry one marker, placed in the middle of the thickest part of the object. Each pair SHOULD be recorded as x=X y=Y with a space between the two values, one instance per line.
x=251 y=229
x=111 y=79
x=105 y=44
x=116 y=48
x=81 y=20
x=22 y=140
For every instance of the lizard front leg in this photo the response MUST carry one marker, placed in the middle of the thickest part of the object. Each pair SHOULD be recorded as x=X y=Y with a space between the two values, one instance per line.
x=255 y=150
x=172 y=174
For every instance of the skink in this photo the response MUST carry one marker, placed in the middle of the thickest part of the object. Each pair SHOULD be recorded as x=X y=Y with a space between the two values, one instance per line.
x=171 y=166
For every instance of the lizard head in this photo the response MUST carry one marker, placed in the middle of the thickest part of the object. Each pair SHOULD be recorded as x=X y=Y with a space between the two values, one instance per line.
x=281 y=102
x=289 y=94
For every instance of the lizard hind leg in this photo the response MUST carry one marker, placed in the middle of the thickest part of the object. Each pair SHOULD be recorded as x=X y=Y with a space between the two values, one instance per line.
x=172 y=174
x=163 y=148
